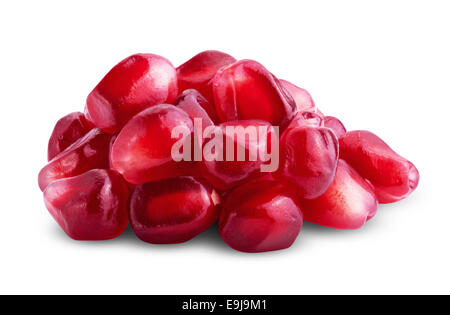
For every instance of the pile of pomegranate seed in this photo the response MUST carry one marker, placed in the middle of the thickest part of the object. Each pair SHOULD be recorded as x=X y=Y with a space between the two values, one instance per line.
x=120 y=161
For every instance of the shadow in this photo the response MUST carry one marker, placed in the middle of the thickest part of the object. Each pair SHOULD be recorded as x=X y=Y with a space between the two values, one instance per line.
x=314 y=229
x=210 y=239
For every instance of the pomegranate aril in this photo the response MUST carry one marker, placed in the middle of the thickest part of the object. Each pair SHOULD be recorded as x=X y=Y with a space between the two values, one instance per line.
x=347 y=204
x=88 y=152
x=91 y=206
x=136 y=83
x=88 y=117
x=260 y=216
x=172 y=210
x=302 y=98
x=142 y=151
x=392 y=176
x=246 y=90
x=67 y=130
x=196 y=106
x=305 y=118
x=130 y=141
x=308 y=160
x=335 y=124
x=227 y=172
x=197 y=72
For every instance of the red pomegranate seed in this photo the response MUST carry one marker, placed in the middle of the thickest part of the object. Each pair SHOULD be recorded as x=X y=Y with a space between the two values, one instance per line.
x=196 y=106
x=88 y=152
x=197 y=72
x=260 y=216
x=172 y=210
x=246 y=90
x=227 y=173
x=335 y=124
x=91 y=206
x=306 y=118
x=302 y=98
x=67 y=130
x=393 y=177
x=136 y=83
x=308 y=160
x=142 y=150
x=347 y=204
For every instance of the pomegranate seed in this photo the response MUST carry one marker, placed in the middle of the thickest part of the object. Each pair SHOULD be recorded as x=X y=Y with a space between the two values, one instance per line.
x=247 y=90
x=306 y=118
x=142 y=150
x=88 y=117
x=308 y=160
x=173 y=210
x=91 y=206
x=196 y=106
x=67 y=130
x=88 y=152
x=227 y=173
x=260 y=216
x=136 y=83
x=197 y=72
x=347 y=204
x=302 y=98
x=393 y=177
x=335 y=124
x=130 y=141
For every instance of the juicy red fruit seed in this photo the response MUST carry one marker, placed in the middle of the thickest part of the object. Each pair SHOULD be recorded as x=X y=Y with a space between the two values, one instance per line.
x=136 y=83
x=196 y=106
x=225 y=173
x=91 y=206
x=302 y=98
x=260 y=216
x=88 y=152
x=173 y=210
x=142 y=151
x=246 y=90
x=197 y=72
x=308 y=160
x=347 y=204
x=67 y=130
x=336 y=125
x=392 y=176
x=305 y=118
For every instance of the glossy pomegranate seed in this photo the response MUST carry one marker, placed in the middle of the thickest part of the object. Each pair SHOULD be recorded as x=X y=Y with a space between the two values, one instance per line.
x=336 y=125
x=197 y=72
x=67 y=130
x=308 y=160
x=172 y=210
x=302 y=98
x=88 y=152
x=227 y=173
x=196 y=106
x=91 y=206
x=306 y=118
x=260 y=216
x=136 y=83
x=347 y=204
x=142 y=150
x=246 y=90
x=393 y=177
x=88 y=117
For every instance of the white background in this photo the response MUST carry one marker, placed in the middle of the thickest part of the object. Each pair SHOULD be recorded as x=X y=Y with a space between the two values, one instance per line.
x=378 y=65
